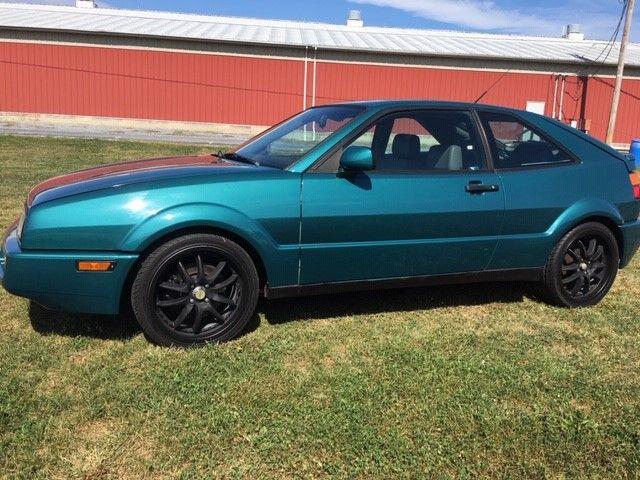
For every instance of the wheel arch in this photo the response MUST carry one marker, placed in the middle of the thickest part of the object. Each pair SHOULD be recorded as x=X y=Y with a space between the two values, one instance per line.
x=585 y=211
x=612 y=222
x=607 y=222
x=149 y=247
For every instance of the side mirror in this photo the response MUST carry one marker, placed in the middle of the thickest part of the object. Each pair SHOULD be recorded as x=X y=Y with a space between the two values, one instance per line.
x=357 y=159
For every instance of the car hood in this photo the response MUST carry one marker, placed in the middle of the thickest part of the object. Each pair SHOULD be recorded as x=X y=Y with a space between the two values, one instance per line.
x=115 y=175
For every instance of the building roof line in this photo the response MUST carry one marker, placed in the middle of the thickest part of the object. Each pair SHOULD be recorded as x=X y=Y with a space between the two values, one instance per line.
x=187 y=26
x=280 y=23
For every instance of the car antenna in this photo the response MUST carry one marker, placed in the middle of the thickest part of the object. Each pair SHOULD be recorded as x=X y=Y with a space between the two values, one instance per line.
x=491 y=87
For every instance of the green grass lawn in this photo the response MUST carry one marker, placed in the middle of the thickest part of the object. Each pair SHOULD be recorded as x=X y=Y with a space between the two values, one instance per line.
x=451 y=382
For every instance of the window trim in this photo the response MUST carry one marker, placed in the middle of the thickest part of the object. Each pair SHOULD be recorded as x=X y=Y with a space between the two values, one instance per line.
x=339 y=147
x=485 y=140
x=573 y=159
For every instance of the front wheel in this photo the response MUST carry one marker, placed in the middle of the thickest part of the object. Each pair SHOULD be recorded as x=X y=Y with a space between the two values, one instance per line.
x=582 y=267
x=195 y=289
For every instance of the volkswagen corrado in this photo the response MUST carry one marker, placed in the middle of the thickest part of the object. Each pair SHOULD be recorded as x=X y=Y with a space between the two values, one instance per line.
x=351 y=196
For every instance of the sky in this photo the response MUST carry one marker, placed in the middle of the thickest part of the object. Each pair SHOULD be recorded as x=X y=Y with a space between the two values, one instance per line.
x=598 y=18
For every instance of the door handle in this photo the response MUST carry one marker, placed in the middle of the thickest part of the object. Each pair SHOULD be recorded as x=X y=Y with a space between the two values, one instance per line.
x=479 y=187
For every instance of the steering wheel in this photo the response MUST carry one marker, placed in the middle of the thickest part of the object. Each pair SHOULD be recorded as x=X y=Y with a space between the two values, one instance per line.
x=503 y=150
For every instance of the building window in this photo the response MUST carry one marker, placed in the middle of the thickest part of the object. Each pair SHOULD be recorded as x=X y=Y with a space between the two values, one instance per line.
x=535 y=107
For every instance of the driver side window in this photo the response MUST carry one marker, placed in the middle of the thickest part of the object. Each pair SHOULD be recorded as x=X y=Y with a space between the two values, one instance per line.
x=424 y=140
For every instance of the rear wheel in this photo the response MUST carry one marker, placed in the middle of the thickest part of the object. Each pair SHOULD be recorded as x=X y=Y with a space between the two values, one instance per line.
x=582 y=267
x=195 y=289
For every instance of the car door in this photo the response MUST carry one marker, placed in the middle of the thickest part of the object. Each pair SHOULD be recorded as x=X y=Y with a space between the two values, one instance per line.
x=431 y=206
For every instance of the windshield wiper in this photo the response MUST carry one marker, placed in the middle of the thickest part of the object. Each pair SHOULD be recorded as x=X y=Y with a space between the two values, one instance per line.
x=235 y=157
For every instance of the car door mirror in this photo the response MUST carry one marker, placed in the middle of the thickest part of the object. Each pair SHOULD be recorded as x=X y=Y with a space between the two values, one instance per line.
x=357 y=159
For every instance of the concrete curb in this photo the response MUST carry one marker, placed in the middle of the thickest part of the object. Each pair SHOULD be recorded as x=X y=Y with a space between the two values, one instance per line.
x=125 y=129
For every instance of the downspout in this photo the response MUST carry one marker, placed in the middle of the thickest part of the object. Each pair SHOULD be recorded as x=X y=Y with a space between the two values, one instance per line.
x=304 y=82
x=561 y=98
x=313 y=93
x=555 y=96
x=315 y=68
x=304 y=86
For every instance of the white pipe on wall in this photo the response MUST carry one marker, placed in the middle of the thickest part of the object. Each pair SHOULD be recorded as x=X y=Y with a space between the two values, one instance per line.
x=555 y=95
x=304 y=82
x=313 y=93
x=315 y=69
x=561 y=98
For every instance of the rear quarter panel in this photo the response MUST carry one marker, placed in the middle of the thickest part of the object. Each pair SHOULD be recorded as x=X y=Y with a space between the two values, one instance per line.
x=544 y=203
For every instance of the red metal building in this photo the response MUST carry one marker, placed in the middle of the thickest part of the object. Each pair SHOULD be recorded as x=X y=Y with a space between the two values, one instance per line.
x=234 y=71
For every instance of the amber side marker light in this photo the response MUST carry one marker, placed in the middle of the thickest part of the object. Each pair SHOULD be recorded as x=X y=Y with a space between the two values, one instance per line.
x=95 y=266
x=635 y=182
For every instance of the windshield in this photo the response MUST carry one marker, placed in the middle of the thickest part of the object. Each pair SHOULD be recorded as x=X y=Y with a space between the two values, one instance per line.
x=288 y=142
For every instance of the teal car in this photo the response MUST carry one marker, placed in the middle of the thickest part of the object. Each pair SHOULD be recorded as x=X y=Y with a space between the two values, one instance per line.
x=365 y=195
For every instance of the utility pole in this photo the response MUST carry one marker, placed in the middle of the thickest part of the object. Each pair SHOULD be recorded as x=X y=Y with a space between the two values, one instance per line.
x=620 y=73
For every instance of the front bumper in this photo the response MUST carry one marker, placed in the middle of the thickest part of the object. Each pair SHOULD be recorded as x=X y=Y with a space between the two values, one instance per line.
x=51 y=279
x=630 y=241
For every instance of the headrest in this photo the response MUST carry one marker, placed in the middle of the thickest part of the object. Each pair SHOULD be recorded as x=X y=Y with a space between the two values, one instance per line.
x=434 y=152
x=406 y=146
x=451 y=159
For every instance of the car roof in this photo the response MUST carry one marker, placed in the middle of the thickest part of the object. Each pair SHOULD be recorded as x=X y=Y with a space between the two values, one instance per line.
x=422 y=103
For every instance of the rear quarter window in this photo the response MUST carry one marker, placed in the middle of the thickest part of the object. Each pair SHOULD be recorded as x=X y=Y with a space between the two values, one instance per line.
x=515 y=144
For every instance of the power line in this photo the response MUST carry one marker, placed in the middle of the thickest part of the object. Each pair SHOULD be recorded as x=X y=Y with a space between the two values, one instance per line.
x=608 y=47
x=611 y=42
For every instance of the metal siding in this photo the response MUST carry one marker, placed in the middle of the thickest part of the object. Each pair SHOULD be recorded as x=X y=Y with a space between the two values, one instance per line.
x=166 y=85
x=372 y=81
x=511 y=90
x=127 y=83
x=600 y=92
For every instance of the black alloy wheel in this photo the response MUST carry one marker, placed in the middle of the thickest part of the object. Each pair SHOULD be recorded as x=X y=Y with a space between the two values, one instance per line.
x=582 y=267
x=197 y=292
x=195 y=289
x=585 y=267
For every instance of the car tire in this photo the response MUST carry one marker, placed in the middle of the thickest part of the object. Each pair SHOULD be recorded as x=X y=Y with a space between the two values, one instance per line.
x=582 y=266
x=195 y=289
